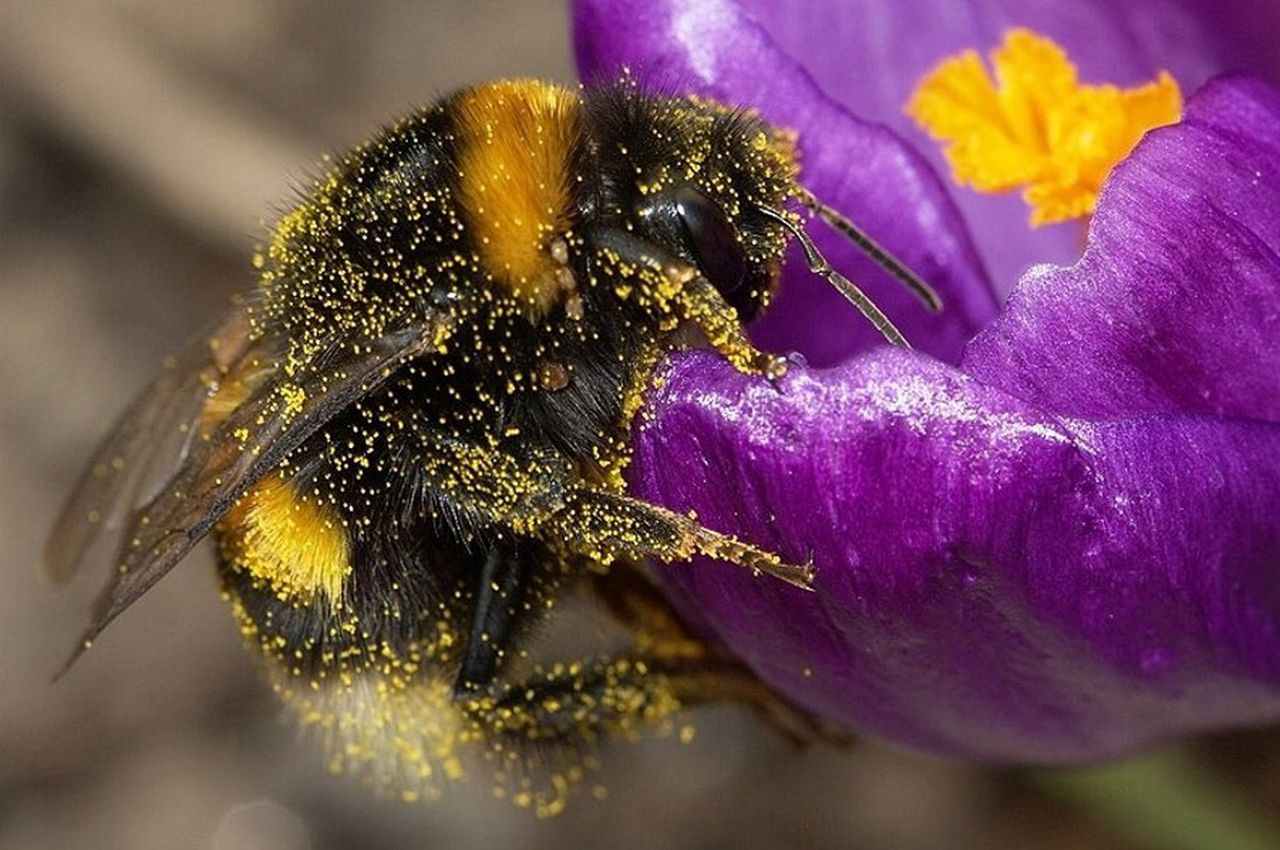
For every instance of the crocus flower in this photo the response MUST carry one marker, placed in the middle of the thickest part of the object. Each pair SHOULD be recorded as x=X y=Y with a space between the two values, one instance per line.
x=1049 y=534
x=868 y=56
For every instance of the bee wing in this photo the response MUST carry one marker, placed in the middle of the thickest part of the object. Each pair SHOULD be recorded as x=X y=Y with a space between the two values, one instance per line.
x=215 y=470
x=147 y=445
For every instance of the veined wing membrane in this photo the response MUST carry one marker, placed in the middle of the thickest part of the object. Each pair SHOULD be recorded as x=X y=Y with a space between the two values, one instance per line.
x=146 y=447
x=279 y=415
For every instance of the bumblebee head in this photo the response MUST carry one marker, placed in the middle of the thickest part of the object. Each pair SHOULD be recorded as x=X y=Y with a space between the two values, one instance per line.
x=693 y=178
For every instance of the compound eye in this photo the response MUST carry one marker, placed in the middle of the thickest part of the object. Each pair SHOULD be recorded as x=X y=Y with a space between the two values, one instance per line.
x=711 y=238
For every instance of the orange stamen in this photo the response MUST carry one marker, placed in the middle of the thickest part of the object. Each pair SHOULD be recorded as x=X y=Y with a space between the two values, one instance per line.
x=1035 y=126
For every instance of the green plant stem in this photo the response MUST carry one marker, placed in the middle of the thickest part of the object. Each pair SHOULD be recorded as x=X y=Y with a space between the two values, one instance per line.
x=1164 y=802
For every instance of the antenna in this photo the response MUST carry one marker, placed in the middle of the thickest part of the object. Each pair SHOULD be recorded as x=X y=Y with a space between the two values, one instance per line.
x=891 y=264
x=818 y=265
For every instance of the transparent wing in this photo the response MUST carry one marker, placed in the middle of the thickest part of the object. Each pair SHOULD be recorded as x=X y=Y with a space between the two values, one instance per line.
x=145 y=448
x=211 y=470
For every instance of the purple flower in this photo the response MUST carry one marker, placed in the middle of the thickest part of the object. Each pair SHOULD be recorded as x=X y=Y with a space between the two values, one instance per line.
x=866 y=56
x=1058 y=547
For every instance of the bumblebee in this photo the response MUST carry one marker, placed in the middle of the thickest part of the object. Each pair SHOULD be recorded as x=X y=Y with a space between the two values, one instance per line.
x=408 y=440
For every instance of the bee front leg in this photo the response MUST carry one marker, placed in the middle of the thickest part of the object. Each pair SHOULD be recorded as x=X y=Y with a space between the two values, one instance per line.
x=706 y=308
x=687 y=294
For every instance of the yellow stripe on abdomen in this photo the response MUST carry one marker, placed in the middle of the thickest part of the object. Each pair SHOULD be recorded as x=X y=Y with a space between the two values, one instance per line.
x=296 y=546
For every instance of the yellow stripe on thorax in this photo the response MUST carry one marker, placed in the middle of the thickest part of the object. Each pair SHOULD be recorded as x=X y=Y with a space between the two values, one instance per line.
x=515 y=139
x=296 y=546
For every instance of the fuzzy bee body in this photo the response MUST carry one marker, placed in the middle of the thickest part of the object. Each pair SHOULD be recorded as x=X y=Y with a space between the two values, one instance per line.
x=409 y=439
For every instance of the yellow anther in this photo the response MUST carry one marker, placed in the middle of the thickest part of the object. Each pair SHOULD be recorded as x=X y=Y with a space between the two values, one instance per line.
x=1035 y=126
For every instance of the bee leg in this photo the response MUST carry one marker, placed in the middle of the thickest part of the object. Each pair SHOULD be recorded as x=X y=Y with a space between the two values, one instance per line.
x=538 y=497
x=696 y=300
x=720 y=679
x=706 y=308
x=577 y=702
x=606 y=525
x=637 y=603
x=624 y=695
x=702 y=673
x=501 y=592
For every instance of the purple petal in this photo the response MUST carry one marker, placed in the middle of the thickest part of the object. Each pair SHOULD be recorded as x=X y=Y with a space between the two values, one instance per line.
x=1175 y=306
x=861 y=169
x=997 y=580
x=869 y=55
x=992 y=581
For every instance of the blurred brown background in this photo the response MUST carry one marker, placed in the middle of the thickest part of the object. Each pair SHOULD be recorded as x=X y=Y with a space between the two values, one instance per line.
x=142 y=144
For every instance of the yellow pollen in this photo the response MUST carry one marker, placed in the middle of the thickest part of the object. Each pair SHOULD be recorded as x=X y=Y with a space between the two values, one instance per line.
x=1035 y=126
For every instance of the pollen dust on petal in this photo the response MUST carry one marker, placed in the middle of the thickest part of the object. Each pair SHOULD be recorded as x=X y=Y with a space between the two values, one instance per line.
x=1034 y=126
